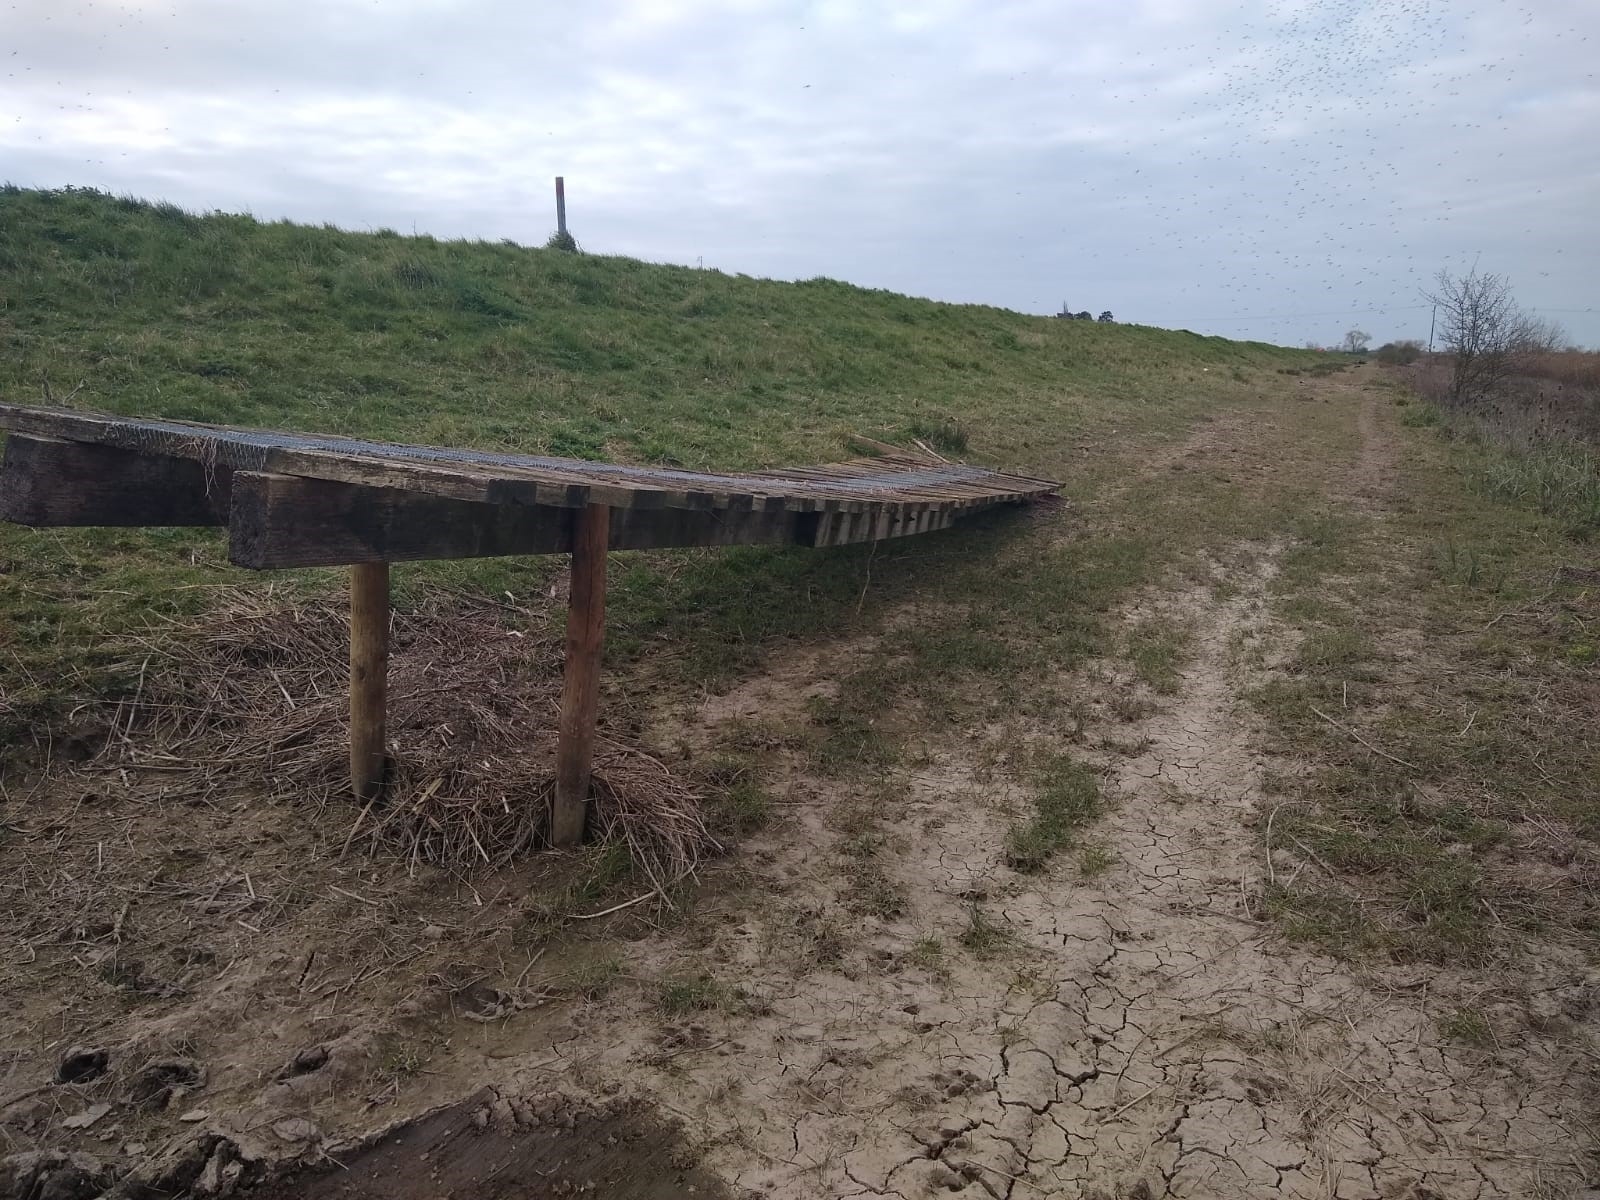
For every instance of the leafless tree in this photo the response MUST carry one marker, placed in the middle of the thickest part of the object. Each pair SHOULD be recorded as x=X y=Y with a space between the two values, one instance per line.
x=1533 y=335
x=1355 y=341
x=1480 y=325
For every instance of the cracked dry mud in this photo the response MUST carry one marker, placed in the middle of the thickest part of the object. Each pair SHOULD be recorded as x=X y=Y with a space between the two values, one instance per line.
x=1142 y=1035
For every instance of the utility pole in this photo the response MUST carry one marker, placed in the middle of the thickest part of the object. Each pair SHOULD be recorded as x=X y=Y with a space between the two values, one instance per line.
x=561 y=206
x=1432 y=321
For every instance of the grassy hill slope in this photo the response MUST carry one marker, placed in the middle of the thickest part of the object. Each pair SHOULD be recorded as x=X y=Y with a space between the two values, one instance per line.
x=135 y=308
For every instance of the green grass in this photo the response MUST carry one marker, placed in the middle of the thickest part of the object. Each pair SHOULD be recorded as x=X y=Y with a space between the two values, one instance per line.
x=144 y=309
x=680 y=996
x=1557 y=476
x=868 y=889
x=1560 y=479
x=593 y=977
x=1157 y=650
x=1068 y=799
x=1438 y=690
x=737 y=802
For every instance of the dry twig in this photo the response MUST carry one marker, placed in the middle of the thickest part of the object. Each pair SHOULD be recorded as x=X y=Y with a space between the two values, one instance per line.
x=258 y=693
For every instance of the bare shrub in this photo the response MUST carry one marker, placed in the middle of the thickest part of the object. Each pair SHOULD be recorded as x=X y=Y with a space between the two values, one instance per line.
x=1399 y=354
x=1479 y=324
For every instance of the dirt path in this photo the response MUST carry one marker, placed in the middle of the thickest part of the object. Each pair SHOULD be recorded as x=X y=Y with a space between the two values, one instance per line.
x=1140 y=1034
x=1143 y=1031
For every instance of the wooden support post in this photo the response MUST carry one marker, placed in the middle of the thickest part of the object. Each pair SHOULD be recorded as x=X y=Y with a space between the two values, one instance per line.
x=369 y=676
x=580 y=692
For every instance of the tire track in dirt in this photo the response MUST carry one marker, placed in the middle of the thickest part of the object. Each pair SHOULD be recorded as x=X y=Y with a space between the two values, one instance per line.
x=1143 y=1031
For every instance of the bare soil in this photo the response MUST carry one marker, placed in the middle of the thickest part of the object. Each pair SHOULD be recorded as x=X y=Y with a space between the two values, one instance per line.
x=495 y=1145
x=206 y=998
x=1139 y=1031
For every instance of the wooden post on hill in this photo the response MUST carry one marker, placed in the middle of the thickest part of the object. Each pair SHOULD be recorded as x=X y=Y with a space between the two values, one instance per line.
x=369 y=677
x=580 y=691
x=561 y=205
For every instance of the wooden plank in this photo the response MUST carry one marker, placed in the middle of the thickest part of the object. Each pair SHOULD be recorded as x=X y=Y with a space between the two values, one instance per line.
x=48 y=483
x=369 y=678
x=291 y=521
x=860 y=485
x=580 y=691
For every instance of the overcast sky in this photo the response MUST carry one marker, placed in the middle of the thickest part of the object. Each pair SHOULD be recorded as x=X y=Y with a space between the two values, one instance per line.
x=1276 y=169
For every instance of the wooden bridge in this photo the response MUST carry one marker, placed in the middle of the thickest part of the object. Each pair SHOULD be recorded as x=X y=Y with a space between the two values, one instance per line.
x=299 y=500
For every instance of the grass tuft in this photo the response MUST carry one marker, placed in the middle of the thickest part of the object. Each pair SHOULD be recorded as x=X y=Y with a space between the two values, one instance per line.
x=946 y=435
x=680 y=996
x=1158 y=649
x=1558 y=478
x=983 y=938
x=1068 y=799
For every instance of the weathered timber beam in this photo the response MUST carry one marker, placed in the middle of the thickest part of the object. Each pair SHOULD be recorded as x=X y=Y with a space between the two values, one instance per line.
x=47 y=483
x=290 y=521
x=369 y=677
x=580 y=691
x=666 y=528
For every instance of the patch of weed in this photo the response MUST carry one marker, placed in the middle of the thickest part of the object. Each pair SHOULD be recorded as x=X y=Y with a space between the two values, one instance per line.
x=1468 y=1025
x=927 y=952
x=682 y=995
x=1094 y=861
x=982 y=937
x=1068 y=798
x=1158 y=649
x=592 y=978
x=872 y=893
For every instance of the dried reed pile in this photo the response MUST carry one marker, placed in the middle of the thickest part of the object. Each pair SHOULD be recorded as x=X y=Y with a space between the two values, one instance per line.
x=257 y=699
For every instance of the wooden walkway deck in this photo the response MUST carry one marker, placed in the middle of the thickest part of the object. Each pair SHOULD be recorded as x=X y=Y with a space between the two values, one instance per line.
x=295 y=500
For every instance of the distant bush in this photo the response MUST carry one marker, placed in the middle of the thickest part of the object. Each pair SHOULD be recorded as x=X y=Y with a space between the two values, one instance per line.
x=562 y=240
x=1399 y=354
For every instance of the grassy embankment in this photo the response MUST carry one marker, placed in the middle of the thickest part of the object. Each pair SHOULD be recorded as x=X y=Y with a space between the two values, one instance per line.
x=128 y=307
x=1441 y=629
